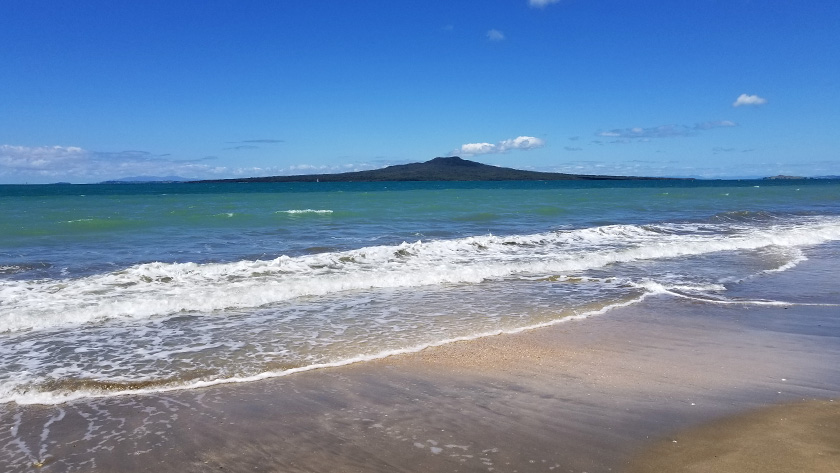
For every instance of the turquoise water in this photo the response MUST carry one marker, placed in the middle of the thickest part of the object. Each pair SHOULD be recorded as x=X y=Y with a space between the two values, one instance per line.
x=109 y=289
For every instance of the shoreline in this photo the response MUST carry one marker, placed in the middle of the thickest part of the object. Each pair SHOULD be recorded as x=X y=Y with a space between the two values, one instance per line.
x=594 y=395
x=45 y=400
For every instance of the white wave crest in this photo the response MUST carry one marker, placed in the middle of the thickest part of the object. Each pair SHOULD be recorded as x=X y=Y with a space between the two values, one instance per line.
x=305 y=211
x=157 y=289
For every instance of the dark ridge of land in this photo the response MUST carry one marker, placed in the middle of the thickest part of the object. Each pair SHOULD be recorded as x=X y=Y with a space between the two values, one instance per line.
x=439 y=169
x=785 y=177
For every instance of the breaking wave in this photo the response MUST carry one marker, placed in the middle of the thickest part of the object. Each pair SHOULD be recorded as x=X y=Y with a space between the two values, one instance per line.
x=159 y=289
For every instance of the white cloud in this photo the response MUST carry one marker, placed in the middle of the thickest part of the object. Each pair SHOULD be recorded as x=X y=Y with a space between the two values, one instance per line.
x=520 y=142
x=70 y=163
x=45 y=164
x=38 y=159
x=479 y=148
x=745 y=99
x=541 y=3
x=495 y=35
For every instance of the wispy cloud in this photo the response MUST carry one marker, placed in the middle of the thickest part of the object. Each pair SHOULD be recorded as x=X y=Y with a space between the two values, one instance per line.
x=329 y=169
x=520 y=142
x=662 y=131
x=721 y=149
x=251 y=144
x=733 y=168
x=39 y=159
x=572 y=148
x=303 y=168
x=717 y=124
x=541 y=3
x=628 y=135
x=622 y=168
x=44 y=164
x=745 y=99
x=495 y=35
x=72 y=163
x=265 y=141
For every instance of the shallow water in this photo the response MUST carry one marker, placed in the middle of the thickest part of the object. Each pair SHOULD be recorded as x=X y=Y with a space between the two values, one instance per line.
x=109 y=290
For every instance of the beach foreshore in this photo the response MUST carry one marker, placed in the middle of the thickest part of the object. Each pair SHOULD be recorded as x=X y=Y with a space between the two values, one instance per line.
x=668 y=384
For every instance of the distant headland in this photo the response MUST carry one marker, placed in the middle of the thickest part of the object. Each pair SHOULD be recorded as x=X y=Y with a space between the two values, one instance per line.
x=451 y=168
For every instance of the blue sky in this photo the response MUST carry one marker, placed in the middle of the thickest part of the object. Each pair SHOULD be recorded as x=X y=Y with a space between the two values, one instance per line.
x=95 y=90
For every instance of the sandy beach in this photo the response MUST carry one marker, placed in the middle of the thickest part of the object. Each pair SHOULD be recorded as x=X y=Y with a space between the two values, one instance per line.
x=801 y=436
x=554 y=236
x=668 y=384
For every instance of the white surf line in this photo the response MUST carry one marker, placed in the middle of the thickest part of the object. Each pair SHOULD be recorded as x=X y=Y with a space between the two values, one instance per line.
x=795 y=261
x=304 y=211
x=748 y=302
x=52 y=399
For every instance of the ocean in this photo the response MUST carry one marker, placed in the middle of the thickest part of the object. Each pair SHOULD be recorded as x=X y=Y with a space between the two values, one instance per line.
x=113 y=290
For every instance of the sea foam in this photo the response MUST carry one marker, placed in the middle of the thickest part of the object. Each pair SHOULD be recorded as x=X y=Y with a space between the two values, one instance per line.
x=160 y=289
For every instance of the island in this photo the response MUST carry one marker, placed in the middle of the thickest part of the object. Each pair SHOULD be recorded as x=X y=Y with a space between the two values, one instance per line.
x=452 y=168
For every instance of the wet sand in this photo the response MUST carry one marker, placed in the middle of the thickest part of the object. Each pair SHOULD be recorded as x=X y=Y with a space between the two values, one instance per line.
x=791 y=437
x=608 y=393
